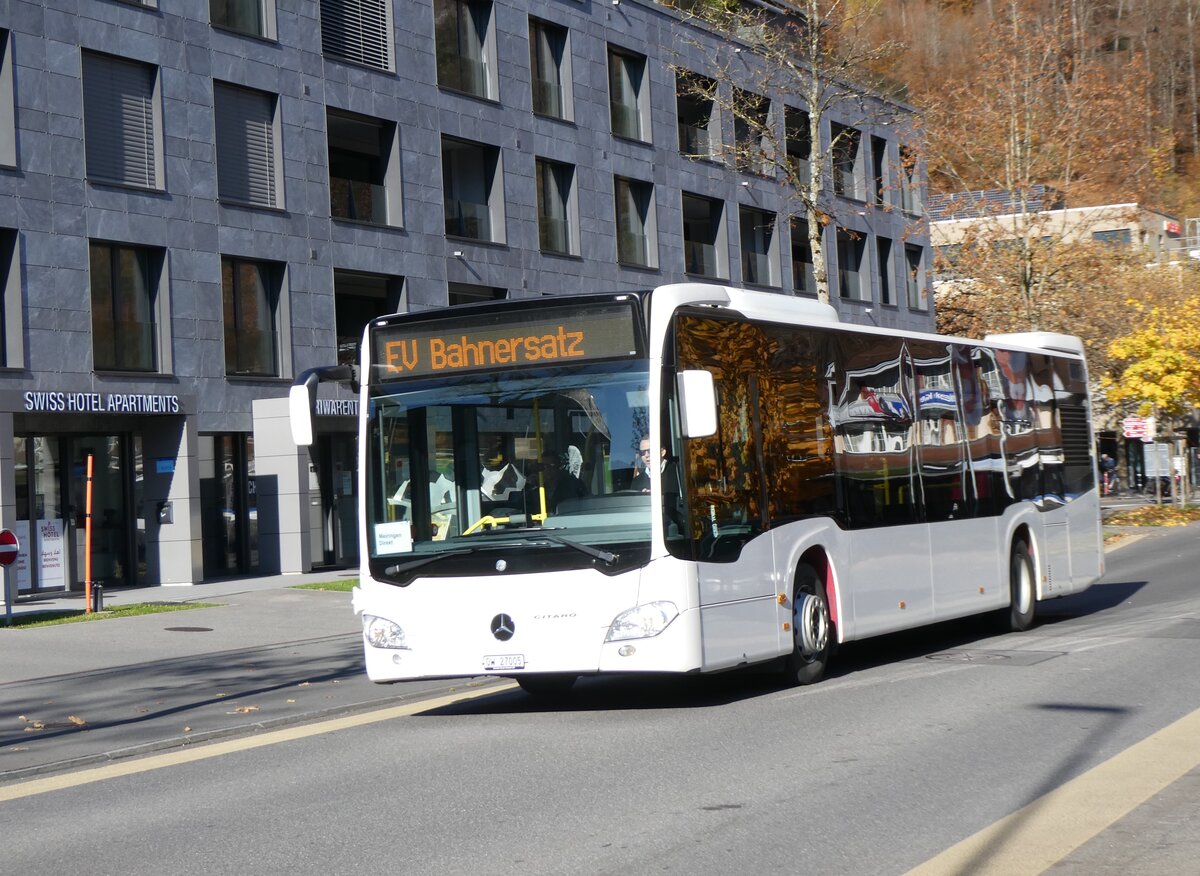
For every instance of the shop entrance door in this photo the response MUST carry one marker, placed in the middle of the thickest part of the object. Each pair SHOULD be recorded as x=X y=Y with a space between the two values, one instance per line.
x=111 y=532
x=337 y=495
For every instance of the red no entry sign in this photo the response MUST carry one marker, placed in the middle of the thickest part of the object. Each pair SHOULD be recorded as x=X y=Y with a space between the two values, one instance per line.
x=8 y=547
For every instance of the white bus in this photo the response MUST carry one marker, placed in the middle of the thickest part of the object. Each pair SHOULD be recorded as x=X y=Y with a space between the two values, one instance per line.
x=700 y=478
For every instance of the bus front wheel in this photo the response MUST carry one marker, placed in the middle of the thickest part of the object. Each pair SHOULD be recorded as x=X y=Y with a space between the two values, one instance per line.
x=812 y=630
x=1022 y=587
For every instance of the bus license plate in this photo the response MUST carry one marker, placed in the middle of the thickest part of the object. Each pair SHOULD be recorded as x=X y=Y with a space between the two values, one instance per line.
x=504 y=661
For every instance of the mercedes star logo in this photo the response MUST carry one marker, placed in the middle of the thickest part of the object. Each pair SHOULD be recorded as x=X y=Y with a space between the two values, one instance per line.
x=503 y=627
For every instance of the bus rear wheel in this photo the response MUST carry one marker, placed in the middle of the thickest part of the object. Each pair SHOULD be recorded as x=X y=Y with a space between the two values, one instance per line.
x=1022 y=588
x=546 y=685
x=812 y=629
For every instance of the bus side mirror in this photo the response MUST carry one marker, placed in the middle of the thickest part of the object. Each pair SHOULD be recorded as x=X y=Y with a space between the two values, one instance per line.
x=697 y=403
x=300 y=415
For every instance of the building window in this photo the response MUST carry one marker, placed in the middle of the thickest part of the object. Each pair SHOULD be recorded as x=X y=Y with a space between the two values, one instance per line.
x=804 y=276
x=703 y=236
x=124 y=283
x=120 y=122
x=8 y=111
x=251 y=297
x=628 y=95
x=879 y=169
x=555 y=206
x=472 y=186
x=253 y=17
x=850 y=246
x=759 y=250
x=465 y=293
x=751 y=117
x=11 y=338
x=698 y=117
x=847 y=157
x=918 y=294
x=358 y=31
x=883 y=248
x=1117 y=237
x=358 y=299
x=364 y=169
x=550 y=69
x=248 y=160
x=637 y=232
x=798 y=144
x=910 y=182
x=462 y=30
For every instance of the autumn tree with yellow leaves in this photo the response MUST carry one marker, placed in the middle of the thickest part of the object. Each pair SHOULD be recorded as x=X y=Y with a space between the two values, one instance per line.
x=1156 y=367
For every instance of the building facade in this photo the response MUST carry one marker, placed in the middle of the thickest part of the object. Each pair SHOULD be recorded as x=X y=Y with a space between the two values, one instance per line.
x=200 y=199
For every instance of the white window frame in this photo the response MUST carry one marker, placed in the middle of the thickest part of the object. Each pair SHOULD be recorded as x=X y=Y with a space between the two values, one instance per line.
x=8 y=106
x=490 y=180
x=720 y=243
x=765 y=249
x=647 y=219
x=390 y=184
x=122 y=121
x=562 y=175
x=485 y=41
x=358 y=32
x=12 y=342
x=248 y=129
x=638 y=87
x=562 y=67
x=266 y=12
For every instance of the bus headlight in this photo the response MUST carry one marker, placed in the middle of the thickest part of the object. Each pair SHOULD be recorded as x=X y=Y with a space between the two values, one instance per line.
x=642 y=621
x=383 y=633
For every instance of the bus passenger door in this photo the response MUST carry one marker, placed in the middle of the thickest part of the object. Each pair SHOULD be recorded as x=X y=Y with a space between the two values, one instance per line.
x=726 y=494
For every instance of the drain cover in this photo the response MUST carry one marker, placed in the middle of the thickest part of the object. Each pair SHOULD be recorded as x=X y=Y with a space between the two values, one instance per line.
x=188 y=629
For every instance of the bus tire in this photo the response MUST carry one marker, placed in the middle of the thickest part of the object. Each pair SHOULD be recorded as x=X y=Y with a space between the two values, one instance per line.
x=1022 y=588
x=813 y=635
x=546 y=685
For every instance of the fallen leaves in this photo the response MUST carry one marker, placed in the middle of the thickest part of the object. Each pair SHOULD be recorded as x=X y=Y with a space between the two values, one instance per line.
x=1155 y=515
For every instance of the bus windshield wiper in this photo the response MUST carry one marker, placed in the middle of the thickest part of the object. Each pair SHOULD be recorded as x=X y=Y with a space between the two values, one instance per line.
x=429 y=558
x=606 y=557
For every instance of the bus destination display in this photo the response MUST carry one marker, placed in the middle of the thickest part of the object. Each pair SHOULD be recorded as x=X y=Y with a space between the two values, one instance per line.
x=524 y=337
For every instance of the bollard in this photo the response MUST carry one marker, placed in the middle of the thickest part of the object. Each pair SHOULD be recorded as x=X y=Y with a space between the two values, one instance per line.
x=97 y=597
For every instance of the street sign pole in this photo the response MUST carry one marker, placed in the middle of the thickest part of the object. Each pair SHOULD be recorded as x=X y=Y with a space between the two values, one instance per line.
x=9 y=548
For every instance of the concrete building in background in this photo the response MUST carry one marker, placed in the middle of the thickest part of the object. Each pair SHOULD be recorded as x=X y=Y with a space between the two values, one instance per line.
x=996 y=215
x=199 y=200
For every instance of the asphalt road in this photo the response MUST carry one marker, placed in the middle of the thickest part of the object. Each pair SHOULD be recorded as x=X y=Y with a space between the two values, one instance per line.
x=915 y=743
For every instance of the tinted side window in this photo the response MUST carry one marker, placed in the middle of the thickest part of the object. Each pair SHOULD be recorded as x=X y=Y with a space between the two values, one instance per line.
x=945 y=491
x=1071 y=396
x=721 y=472
x=797 y=431
x=872 y=416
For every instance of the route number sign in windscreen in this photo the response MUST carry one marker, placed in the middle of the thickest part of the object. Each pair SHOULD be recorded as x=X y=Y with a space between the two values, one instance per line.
x=522 y=337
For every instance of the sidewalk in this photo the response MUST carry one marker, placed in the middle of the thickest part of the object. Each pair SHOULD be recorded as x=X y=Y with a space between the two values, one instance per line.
x=266 y=654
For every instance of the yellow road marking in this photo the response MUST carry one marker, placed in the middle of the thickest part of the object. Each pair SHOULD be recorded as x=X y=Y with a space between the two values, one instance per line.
x=1037 y=836
x=133 y=766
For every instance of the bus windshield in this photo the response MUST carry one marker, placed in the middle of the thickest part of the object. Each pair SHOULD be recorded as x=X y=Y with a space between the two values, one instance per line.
x=543 y=458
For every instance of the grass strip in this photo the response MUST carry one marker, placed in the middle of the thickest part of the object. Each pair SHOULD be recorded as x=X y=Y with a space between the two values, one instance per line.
x=75 y=616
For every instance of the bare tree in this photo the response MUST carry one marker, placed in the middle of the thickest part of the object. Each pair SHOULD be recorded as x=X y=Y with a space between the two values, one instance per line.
x=818 y=60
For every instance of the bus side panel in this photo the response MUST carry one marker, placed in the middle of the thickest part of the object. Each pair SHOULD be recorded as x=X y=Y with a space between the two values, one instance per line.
x=970 y=570
x=737 y=607
x=1055 y=561
x=1087 y=541
x=891 y=571
x=792 y=542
